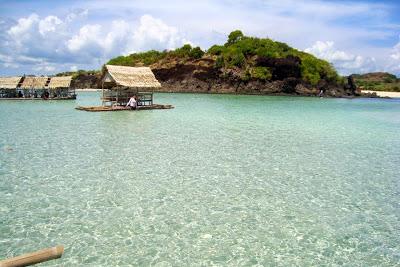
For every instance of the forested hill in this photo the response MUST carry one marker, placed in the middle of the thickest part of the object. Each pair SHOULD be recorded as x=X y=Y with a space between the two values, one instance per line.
x=378 y=81
x=245 y=65
x=254 y=57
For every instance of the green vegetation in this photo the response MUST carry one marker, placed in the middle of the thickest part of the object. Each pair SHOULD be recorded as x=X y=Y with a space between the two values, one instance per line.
x=261 y=73
x=146 y=58
x=77 y=73
x=241 y=52
x=378 y=81
x=153 y=56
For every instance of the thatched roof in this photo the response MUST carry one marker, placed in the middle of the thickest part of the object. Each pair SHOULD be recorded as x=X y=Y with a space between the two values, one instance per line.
x=34 y=82
x=138 y=77
x=9 y=82
x=60 y=82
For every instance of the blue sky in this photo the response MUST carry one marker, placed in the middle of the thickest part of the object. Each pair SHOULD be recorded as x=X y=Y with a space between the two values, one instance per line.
x=46 y=37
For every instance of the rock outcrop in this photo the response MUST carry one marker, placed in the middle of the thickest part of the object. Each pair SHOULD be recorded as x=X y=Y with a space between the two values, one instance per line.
x=243 y=65
x=84 y=81
x=201 y=76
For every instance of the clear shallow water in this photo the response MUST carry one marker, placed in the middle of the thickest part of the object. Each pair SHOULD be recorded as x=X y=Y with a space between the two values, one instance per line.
x=220 y=180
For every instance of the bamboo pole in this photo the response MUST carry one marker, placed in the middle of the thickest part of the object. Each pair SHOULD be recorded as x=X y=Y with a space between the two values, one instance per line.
x=34 y=257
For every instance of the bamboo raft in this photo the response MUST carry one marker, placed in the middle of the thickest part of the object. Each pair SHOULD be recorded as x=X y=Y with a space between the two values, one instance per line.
x=122 y=108
x=34 y=257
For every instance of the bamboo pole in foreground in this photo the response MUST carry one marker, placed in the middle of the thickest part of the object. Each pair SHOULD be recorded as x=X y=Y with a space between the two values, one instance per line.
x=34 y=257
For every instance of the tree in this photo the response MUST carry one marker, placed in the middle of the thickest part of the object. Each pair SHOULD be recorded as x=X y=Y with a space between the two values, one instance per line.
x=234 y=37
x=216 y=50
x=196 y=53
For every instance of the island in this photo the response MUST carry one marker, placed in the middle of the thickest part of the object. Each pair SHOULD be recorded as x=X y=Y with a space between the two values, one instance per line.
x=243 y=65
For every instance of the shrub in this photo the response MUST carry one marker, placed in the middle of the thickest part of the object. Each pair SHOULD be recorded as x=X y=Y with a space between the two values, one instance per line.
x=147 y=58
x=216 y=50
x=238 y=59
x=184 y=51
x=246 y=76
x=314 y=69
x=196 y=53
x=261 y=73
x=219 y=63
x=389 y=79
x=234 y=57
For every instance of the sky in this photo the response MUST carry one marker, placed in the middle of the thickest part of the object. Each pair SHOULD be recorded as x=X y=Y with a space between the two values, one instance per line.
x=47 y=37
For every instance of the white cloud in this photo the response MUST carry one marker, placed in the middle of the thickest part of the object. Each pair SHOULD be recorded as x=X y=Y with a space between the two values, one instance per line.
x=24 y=29
x=78 y=13
x=396 y=52
x=345 y=62
x=122 y=37
x=153 y=33
x=43 y=42
x=45 y=68
x=49 y=25
x=327 y=51
x=94 y=31
x=117 y=37
x=88 y=36
x=8 y=62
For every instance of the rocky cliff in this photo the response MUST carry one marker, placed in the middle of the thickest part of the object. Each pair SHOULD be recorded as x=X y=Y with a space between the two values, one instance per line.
x=201 y=76
x=85 y=80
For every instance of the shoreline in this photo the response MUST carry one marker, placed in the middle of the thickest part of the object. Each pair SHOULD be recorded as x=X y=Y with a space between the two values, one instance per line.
x=378 y=93
x=88 y=90
x=383 y=93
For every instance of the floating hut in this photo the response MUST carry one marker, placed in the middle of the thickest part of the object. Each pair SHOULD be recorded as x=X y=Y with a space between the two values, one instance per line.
x=34 y=87
x=8 y=86
x=29 y=87
x=120 y=83
x=60 y=87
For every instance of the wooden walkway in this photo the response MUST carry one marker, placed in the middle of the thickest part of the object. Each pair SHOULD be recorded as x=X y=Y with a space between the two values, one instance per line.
x=38 y=98
x=119 y=108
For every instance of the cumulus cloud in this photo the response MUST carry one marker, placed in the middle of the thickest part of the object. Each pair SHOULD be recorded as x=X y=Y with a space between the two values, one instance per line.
x=94 y=31
x=24 y=29
x=345 y=62
x=122 y=38
x=8 y=61
x=396 y=52
x=49 y=25
x=88 y=38
x=326 y=50
x=44 y=42
x=153 y=33
x=77 y=13
x=45 y=68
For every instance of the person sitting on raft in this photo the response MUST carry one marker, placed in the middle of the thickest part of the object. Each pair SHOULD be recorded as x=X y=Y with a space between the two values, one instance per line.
x=132 y=103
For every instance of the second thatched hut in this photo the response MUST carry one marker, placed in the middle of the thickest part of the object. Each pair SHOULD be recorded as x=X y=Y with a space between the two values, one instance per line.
x=60 y=86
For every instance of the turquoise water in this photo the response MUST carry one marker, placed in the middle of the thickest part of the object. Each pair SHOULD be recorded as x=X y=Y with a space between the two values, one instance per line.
x=219 y=180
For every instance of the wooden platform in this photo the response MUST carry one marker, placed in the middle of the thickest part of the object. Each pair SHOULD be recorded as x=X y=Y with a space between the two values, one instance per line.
x=31 y=98
x=119 y=108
